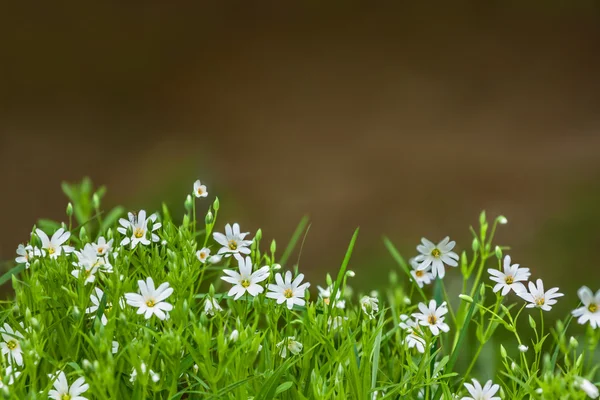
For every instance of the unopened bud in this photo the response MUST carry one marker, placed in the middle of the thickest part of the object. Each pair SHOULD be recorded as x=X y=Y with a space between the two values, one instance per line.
x=216 y=204
x=498 y=251
x=273 y=246
x=209 y=218
x=465 y=297
x=573 y=342
x=188 y=203
x=351 y=273
x=502 y=220
x=96 y=201
x=532 y=322
x=69 y=210
x=503 y=352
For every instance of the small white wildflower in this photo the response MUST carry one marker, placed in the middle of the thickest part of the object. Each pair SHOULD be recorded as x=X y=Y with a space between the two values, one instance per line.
x=11 y=345
x=27 y=253
x=415 y=335
x=103 y=247
x=200 y=189
x=115 y=347
x=588 y=387
x=154 y=376
x=289 y=343
x=370 y=306
x=436 y=255
x=211 y=305
x=234 y=336
x=523 y=348
x=421 y=276
x=96 y=298
x=486 y=392
x=62 y=391
x=203 y=254
x=539 y=390
x=510 y=279
x=334 y=323
x=55 y=246
x=12 y=374
x=139 y=229
x=537 y=297
x=245 y=280
x=433 y=317
x=151 y=301
x=590 y=311
x=287 y=290
x=325 y=295
x=232 y=241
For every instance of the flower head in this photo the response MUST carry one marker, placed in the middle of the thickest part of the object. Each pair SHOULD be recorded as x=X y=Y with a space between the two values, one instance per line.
x=96 y=298
x=211 y=305
x=232 y=241
x=62 y=391
x=590 y=311
x=27 y=253
x=370 y=306
x=289 y=344
x=245 y=280
x=11 y=345
x=55 y=246
x=436 y=255
x=537 y=297
x=151 y=301
x=433 y=316
x=325 y=294
x=203 y=254
x=139 y=229
x=103 y=247
x=200 y=189
x=486 y=392
x=287 y=290
x=421 y=276
x=510 y=278
x=415 y=335
x=588 y=387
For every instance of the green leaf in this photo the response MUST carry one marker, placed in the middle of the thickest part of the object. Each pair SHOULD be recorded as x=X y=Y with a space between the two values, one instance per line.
x=48 y=226
x=283 y=387
x=111 y=218
x=342 y=271
x=375 y=366
x=294 y=240
x=13 y=271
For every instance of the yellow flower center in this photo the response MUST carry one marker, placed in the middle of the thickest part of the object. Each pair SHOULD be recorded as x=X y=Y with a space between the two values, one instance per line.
x=138 y=233
x=509 y=280
x=51 y=250
x=432 y=319
x=288 y=293
x=202 y=255
x=100 y=251
x=233 y=245
x=436 y=253
x=419 y=273
x=593 y=308
x=245 y=283
x=150 y=303
x=65 y=396
x=200 y=191
x=11 y=344
x=540 y=301
x=325 y=300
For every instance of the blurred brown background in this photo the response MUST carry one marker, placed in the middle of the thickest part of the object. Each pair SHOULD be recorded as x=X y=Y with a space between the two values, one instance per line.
x=405 y=120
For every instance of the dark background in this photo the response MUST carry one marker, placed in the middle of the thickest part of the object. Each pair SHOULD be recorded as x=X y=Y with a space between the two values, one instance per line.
x=403 y=120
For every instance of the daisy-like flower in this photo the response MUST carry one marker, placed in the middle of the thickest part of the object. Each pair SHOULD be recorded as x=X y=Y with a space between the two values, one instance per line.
x=139 y=229
x=203 y=254
x=486 y=392
x=27 y=253
x=11 y=345
x=96 y=298
x=55 y=246
x=590 y=311
x=325 y=294
x=211 y=305
x=287 y=290
x=200 y=189
x=421 y=276
x=232 y=241
x=289 y=344
x=103 y=247
x=151 y=301
x=415 y=335
x=433 y=317
x=245 y=280
x=588 y=387
x=370 y=306
x=510 y=279
x=537 y=297
x=62 y=391
x=88 y=271
x=436 y=255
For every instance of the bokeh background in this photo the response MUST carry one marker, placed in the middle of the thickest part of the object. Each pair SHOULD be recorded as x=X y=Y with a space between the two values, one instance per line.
x=403 y=120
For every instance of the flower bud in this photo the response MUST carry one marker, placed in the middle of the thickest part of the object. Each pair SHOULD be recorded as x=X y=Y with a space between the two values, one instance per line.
x=532 y=323
x=276 y=267
x=466 y=298
x=351 y=273
x=502 y=220
x=523 y=348
x=573 y=342
x=69 y=210
x=498 y=251
x=209 y=218
x=188 y=203
x=216 y=204
x=234 y=335
x=96 y=201
x=273 y=246
x=475 y=245
x=503 y=352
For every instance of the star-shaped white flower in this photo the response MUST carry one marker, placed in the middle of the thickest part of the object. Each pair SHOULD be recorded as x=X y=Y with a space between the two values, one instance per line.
x=289 y=344
x=436 y=255
x=537 y=297
x=200 y=189
x=590 y=311
x=138 y=224
x=510 y=279
x=287 y=290
x=27 y=253
x=55 y=246
x=245 y=280
x=62 y=391
x=370 y=306
x=11 y=345
x=433 y=317
x=232 y=241
x=486 y=392
x=587 y=387
x=203 y=254
x=96 y=298
x=12 y=374
x=415 y=335
x=151 y=301
x=103 y=247
x=325 y=294
x=421 y=276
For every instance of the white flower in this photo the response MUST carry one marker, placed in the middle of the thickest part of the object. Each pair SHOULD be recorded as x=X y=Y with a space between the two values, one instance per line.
x=415 y=335
x=215 y=259
x=11 y=345
x=235 y=335
x=335 y=323
x=115 y=347
x=523 y=348
x=203 y=254
x=96 y=298
x=54 y=246
x=590 y=311
x=433 y=317
x=486 y=392
x=588 y=387
x=211 y=305
x=26 y=253
x=103 y=247
x=289 y=343
x=511 y=278
x=200 y=189
x=62 y=391
x=154 y=376
x=11 y=374
x=245 y=280
x=538 y=298
x=325 y=294
x=232 y=241
x=436 y=255
x=288 y=291
x=421 y=276
x=151 y=301
x=370 y=306
x=139 y=229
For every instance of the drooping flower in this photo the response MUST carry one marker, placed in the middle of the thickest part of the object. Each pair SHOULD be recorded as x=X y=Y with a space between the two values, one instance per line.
x=62 y=391
x=232 y=241
x=537 y=297
x=55 y=246
x=370 y=306
x=510 y=278
x=325 y=294
x=289 y=344
x=433 y=316
x=245 y=280
x=103 y=247
x=11 y=345
x=151 y=301
x=139 y=229
x=590 y=311
x=421 y=276
x=211 y=305
x=436 y=255
x=415 y=335
x=200 y=189
x=523 y=348
x=587 y=387
x=486 y=392
x=287 y=290
x=203 y=254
